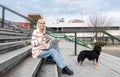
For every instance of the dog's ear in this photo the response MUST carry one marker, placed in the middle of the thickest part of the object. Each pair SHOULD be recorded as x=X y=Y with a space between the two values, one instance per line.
x=97 y=46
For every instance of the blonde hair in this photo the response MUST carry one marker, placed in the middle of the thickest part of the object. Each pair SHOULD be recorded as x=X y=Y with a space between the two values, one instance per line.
x=39 y=20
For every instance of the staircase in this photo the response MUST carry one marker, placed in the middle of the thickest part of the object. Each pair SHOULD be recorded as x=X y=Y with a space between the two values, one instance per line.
x=69 y=38
x=15 y=56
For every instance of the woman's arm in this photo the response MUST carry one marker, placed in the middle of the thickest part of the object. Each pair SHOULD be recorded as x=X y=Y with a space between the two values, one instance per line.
x=39 y=41
x=34 y=41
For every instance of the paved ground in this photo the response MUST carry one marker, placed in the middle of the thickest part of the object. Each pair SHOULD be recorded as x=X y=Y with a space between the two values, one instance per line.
x=112 y=49
x=109 y=66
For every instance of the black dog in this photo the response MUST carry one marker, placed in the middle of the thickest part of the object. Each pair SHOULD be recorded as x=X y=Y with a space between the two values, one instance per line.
x=90 y=55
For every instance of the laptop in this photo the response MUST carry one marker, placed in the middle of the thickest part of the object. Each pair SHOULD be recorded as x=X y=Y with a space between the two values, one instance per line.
x=53 y=43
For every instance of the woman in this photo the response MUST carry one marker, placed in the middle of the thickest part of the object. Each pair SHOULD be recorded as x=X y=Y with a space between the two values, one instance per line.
x=40 y=49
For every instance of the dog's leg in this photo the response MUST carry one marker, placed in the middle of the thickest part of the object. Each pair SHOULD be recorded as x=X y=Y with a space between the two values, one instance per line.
x=81 y=63
x=94 y=61
x=97 y=62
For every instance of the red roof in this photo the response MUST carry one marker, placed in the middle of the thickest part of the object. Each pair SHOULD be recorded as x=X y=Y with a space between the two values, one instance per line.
x=77 y=21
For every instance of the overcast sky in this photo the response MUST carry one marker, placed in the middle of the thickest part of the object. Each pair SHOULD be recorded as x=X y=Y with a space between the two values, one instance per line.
x=52 y=10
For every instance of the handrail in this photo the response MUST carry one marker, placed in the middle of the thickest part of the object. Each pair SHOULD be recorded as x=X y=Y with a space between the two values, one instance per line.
x=111 y=35
x=61 y=35
x=30 y=19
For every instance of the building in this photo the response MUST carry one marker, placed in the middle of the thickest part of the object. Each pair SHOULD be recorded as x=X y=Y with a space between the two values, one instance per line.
x=35 y=17
x=23 y=24
x=76 y=21
x=26 y=23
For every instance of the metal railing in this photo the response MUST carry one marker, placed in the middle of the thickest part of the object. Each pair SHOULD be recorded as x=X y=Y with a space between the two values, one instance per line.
x=72 y=39
x=32 y=22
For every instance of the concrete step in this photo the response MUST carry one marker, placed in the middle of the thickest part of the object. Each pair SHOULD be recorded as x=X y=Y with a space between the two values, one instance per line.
x=6 y=47
x=48 y=70
x=10 y=59
x=27 y=68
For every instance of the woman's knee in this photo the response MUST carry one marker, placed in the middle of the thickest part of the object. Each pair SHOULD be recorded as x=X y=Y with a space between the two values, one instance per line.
x=53 y=50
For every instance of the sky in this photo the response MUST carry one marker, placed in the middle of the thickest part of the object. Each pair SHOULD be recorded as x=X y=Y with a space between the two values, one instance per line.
x=51 y=10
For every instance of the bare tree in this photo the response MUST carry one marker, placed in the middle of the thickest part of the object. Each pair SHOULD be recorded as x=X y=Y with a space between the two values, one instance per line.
x=99 y=23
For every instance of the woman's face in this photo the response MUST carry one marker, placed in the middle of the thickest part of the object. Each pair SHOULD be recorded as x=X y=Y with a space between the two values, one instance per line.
x=41 y=24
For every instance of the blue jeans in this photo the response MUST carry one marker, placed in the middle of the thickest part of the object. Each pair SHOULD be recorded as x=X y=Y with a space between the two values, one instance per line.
x=55 y=55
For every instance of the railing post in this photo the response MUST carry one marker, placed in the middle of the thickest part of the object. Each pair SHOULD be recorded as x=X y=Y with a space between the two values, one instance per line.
x=3 y=15
x=75 y=43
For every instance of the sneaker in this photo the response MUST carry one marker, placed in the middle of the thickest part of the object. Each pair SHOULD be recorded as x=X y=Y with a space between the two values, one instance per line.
x=67 y=71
